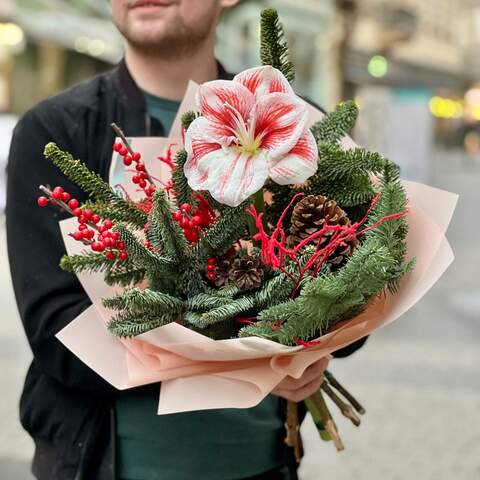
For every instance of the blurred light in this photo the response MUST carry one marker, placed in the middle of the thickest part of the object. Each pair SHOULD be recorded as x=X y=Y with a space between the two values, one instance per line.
x=446 y=107
x=96 y=48
x=81 y=44
x=11 y=35
x=378 y=66
x=473 y=95
x=93 y=47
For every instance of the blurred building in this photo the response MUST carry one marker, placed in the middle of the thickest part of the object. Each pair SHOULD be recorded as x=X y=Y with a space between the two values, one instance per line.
x=46 y=45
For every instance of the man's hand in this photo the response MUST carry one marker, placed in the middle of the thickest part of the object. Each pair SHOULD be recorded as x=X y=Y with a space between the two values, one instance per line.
x=296 y=390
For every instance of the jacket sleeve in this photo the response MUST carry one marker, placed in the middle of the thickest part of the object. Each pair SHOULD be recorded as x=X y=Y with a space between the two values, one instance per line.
x=47 y=297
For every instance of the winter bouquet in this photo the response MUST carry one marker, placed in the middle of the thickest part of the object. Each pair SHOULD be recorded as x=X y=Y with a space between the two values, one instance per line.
x=272 y=241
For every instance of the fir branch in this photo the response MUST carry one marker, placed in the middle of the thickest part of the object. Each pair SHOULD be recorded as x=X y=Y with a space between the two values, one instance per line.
x=188 y=118
x=337 y=164
x=94 y=185
x=335 y=125
x=135 y=300
x=124 y=277
x=273 y=45
x=227 y=229
x=133 y=324
x=329 y=298
x=86 y=262
x=165 y=233
x=183 y=192
x=141 y=254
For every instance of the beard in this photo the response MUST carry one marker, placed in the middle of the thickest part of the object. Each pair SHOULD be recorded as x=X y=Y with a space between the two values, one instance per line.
x=176 y=40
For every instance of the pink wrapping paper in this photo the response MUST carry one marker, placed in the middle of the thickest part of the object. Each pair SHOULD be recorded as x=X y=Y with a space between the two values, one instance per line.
x=198 y=373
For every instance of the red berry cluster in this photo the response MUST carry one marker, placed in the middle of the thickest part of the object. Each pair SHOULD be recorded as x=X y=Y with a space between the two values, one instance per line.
x=211 y=268
x=140 y=178
x=192 y=221
x=89 y=222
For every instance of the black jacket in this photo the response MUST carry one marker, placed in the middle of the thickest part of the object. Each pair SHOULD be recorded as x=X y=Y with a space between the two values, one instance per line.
x=65 y=406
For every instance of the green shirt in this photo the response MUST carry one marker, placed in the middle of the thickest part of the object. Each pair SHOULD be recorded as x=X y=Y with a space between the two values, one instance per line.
x=227 y=444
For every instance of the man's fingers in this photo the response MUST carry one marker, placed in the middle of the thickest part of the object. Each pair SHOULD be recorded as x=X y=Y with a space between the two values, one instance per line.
x=312 y=372
x=300 y=394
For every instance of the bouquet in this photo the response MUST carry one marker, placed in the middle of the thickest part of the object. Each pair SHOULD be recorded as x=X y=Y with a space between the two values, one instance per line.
x=259 y=241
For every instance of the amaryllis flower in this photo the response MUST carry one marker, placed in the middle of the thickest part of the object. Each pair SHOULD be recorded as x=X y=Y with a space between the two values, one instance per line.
x=250 y=129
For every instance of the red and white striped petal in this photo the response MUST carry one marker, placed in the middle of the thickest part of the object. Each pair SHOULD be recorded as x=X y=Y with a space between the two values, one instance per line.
x=228 y=174
x=198 y=142
x=299 y=164
x=227 y=106
x=264 y=80
x=280 y=121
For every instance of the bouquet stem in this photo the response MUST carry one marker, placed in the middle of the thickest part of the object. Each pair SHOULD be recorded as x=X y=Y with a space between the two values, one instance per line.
x=326 y=418
x=344 y=407
x=292 y=426
x=337 y=385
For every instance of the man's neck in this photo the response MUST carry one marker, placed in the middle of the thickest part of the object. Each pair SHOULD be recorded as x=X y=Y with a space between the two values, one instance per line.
x=168 y=78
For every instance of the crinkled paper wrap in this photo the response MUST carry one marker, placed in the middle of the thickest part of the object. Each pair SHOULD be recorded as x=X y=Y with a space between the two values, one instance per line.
x=198 y=373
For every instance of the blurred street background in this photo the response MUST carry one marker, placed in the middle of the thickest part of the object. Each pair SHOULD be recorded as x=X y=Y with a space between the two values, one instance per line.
x=414 y=69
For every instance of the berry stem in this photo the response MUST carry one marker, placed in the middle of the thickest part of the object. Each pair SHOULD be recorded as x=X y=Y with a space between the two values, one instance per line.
x=122 y=136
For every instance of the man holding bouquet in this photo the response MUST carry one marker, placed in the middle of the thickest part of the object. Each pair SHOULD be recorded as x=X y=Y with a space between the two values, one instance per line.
x=82 y=427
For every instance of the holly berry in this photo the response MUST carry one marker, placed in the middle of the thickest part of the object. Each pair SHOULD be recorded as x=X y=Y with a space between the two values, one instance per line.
x=123 y=151
x=197 y=220
x=65 y=197
x=77 y=212
x=43 y=201
x=136 y=156
x=82 y=227
x=121 y=245
x=212 y=276
x=177 y=216
x=192 y=236
x=73 y=203
x=78 y=235
x=114 y=235
x=123 y=255
x=87 y=213
x=186 y=208
x=140 y=167
x=82 y=219
x=184 y=222
x=110 y=255
x=136 y=179
x=212 y=261
x=95 y=218
x=211 y=268
x=108 y=242
x=107 y=224
x=127 y=160
x=57 y=193
x=117 y=147
x=88 y=233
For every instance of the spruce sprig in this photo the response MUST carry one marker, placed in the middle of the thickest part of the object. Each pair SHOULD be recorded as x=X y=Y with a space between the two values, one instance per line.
x=273 y=45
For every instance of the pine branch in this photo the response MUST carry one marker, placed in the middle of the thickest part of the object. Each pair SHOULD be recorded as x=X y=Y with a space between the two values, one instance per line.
x=94 y=185
x=335 y=125
x=183 y=192
x=273 y=45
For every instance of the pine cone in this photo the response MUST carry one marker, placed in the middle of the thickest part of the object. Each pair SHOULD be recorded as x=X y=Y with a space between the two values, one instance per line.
x=246 y=272
x=310 y=214
x=222 y=272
